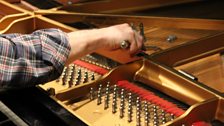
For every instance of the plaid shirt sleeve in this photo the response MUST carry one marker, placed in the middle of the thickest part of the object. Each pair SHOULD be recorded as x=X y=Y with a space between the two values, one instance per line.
x=30 y=59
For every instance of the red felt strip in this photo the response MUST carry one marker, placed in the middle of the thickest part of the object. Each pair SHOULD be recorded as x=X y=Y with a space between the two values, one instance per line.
x=91 y=67
x=201 y=123
x=151 y=97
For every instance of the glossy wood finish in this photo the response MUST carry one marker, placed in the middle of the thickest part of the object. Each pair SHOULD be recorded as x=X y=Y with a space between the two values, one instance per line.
x=10 y=13
x=157 y=30
x=117 y=6
x=156 y=72
x=150 y=73
x=208 y=70
x=29 y=24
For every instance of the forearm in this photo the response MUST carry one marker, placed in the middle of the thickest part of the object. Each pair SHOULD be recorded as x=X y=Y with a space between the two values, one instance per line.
x=84 y=42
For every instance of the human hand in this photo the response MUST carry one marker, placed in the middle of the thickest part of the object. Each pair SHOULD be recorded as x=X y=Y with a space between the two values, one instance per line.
x=115 y=35
x=105 y=41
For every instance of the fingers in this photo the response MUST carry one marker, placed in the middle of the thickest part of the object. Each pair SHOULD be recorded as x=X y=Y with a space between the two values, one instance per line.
x=136 y=42
x=117 y=35
x=139 y=40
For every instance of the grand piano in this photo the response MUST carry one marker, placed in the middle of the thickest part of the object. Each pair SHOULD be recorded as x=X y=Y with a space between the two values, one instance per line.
x=177 y=81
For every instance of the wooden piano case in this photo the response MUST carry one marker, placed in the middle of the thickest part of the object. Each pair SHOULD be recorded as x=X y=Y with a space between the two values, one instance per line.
x=194 y=39
x=195 y=44
x=115 y=6
x=10 y=13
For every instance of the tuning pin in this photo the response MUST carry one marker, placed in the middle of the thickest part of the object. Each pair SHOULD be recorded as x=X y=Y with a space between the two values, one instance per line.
x=129 y=116
x=99 y=96
x=163 y=120
x=155 y=123
x=137 y=100
x=70 y=82
x=163 y=114
x=92 y=76
x=129 y=112
x=121 y=110
x=64 y=80
x=130 y=98
x=79 y=71
x=114 y=106
x=106 y=102
x=146 y=120
x=78 y=77
x=138 y=112
x=108 y=87
x=65 y=76
x=172 y=116
x=107 y=92
x=138 y=118
x=85 y=78
x=155 y=119
x=122 y=92
x=91 y=94
x=122 y=99
x=115 y=92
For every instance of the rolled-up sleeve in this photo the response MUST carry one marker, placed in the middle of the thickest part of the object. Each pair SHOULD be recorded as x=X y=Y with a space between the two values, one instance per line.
x=30 y=59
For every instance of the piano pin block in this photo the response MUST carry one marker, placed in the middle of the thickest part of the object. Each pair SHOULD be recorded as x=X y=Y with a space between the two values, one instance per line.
x=76 y=74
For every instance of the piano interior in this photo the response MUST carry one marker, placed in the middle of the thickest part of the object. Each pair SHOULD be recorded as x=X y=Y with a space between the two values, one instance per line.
x=179 y=82
x=208 y=70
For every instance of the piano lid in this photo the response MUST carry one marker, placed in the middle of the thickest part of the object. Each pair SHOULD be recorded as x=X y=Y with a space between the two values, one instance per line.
x=117 y=6
x=100 y=6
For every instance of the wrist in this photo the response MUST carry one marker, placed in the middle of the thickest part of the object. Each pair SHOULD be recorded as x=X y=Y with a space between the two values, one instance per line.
x=95 y=39
x=84 y=42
